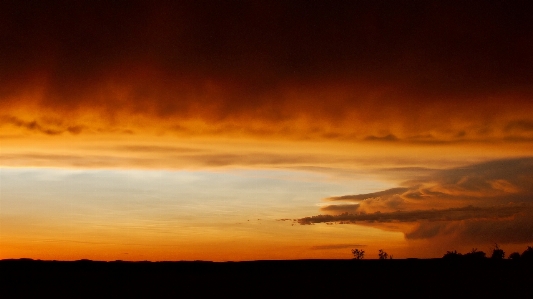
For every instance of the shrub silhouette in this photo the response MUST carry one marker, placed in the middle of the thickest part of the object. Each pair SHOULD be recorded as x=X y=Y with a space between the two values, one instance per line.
x=452 y=255
x=527 y=254
x=514 y=256
x=474 y=254
x=358 y=254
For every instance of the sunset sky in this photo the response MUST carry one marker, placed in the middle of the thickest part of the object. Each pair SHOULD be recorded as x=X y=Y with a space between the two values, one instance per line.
x=246 y=130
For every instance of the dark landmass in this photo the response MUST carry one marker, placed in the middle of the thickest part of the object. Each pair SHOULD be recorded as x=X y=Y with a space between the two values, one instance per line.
x=428 y=278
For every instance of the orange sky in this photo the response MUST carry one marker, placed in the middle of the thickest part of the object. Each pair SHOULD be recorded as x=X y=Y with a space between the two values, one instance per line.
x=366 y=95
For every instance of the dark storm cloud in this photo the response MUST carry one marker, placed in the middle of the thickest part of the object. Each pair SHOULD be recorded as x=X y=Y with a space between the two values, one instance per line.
x=494 y=181
x=490 y=201
x=508 y=177
x=517 y=229
x=236 y=57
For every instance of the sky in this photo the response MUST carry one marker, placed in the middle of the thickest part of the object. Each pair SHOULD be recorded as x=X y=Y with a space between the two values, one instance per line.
x=248 y=130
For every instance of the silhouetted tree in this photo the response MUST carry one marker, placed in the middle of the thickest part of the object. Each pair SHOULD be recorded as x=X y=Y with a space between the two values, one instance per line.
x=497 y=253
x=383 y=255
x=514 y=256
x=358 y=254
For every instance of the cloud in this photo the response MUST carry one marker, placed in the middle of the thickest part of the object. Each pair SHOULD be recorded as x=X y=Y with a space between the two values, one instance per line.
x=336 y=209
x=501 y=228
x=158 y=157
x=389 y=137
x=38 y=127
x=360 y=197
x=334 y=71
x=520 y=126
x=157 y=149
x=336 y=246
x=490 y=201
x=452 y=214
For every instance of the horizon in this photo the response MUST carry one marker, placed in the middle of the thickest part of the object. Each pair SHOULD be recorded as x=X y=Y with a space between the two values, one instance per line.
x=239 y=131
x=498 y=254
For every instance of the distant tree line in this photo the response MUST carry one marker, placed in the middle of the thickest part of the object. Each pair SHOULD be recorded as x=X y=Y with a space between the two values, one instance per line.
x=497 y=254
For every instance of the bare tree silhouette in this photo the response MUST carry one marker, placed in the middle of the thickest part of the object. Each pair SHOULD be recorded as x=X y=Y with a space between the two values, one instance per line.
x=358 y=254
x=514 y=256
x=383 y=255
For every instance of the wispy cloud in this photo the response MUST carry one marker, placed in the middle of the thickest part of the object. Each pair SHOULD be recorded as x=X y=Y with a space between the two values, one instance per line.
x=336 y=246
x=36 y=126
x=360 y=197
x=389 y=137
x=451 y=214
x=520 y=126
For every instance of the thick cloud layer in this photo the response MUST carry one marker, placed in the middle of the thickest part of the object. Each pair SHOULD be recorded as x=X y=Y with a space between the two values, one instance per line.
x=369 y=70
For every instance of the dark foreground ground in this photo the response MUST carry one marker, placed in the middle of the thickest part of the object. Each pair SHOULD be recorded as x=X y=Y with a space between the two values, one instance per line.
x=268 y=279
